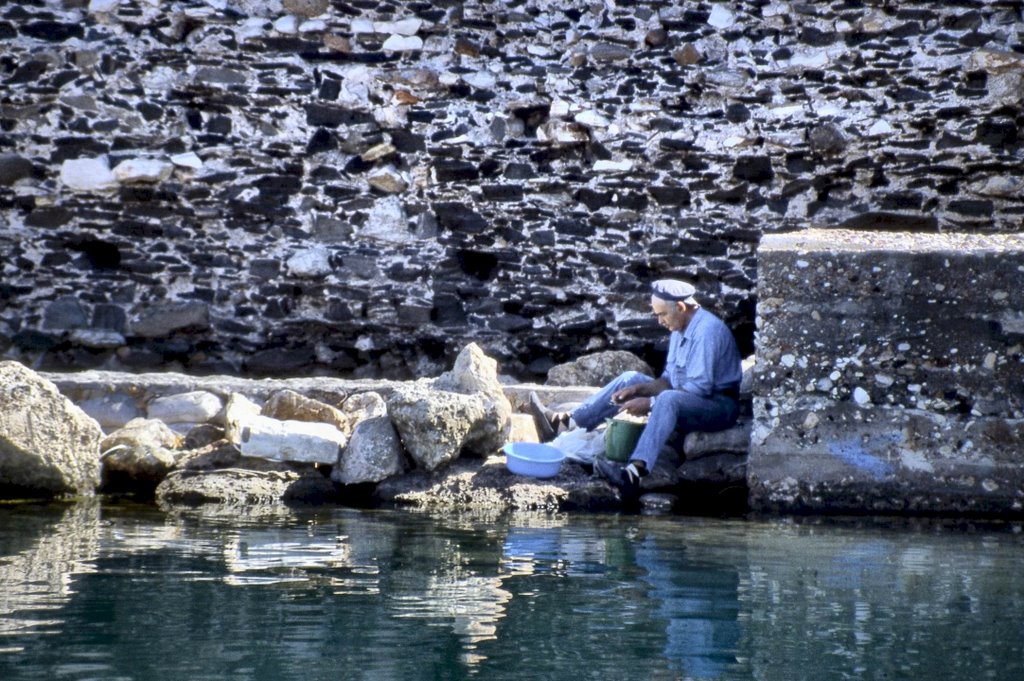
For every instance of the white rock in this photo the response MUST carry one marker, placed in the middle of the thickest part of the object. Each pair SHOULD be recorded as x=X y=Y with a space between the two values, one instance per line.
x=198 y=406
x=311 y=262
x=252 y=27
x=613 y=166
x=187 y=160
x=480 y=79
x=275 y=440
x=387 y=221
x=559 y=108
x=788 y=360
x=404 y=27
x=362 y=26
x=287 y=24
x=721 y=17
x=880 y=129
x=97 y=6
x=139 y=170
x=812 y=60
x=860 y=396
x=399 y=43
x=312 y=26
x=591 y=119
x=87 y=174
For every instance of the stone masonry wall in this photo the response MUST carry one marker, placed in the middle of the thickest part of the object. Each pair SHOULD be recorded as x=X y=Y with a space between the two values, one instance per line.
x=312 y=187
x=890 y=374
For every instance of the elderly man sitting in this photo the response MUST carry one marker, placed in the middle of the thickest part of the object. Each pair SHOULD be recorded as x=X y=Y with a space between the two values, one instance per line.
x=698 y=390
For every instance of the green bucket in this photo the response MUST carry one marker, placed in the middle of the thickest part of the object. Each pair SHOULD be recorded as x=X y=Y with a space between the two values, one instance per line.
x=620 y=438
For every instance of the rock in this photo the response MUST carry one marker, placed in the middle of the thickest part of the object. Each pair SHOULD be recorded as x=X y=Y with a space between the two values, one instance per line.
x=198 y=406
x=217 y=454
x=242 y=487
x=164 y=319
x=724 y=468
x=361 y=406
x=48 y=445
x=735 y=440
x=488 y=484
x=238 y=410
x=138 y=456
x=306 y=8
x=434 y=425
x=87 y=174
x=597 y=369
x=301 y=441
x=13 y=168
x=474 y=373
x=310 y=262
x=374 y=453
x=400 y=43
x=143 y=170
x=111 y=411
x=288 y=405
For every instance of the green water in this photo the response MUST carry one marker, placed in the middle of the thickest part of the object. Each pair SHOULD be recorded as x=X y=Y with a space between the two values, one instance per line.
x=119 y=592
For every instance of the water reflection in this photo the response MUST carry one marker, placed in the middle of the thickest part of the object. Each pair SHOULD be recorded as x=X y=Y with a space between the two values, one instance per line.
x=139 y=594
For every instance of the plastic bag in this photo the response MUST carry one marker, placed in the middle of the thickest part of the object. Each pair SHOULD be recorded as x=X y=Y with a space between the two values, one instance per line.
x=580 y=445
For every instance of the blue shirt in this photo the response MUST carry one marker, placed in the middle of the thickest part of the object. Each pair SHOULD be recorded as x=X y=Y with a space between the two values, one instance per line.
x=703 y=358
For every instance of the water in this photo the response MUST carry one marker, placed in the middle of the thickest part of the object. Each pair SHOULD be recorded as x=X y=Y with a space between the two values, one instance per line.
x=123 y=592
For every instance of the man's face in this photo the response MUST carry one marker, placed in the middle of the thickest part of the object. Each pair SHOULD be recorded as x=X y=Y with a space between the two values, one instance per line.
x=673 y=316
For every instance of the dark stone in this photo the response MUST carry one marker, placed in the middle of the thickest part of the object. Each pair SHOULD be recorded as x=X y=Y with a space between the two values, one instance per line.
x=13 y=168
x=827 y=139
x=280 y=361
x=1000 y=133
x=502 y=192
x=65 y=313
x=753 y=169
x=455 y=171
x=737 y=113
x=29 y=72
x=330 y=116
x=54 y=31
x=592 y=199
x=884 y=221
x=48 y=218
x=110 y=317
x=972 y=207
x=322 y=140
x=671 y=196
x=456 y=217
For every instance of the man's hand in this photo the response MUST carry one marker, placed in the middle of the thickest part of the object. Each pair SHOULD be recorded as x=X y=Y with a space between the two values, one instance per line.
x=638 y=406
x=620 y=397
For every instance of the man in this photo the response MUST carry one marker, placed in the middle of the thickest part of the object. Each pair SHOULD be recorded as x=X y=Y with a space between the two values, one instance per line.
x=697 y=391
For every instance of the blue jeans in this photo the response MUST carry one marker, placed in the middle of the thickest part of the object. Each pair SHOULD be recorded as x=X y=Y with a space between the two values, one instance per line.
x=675 y=414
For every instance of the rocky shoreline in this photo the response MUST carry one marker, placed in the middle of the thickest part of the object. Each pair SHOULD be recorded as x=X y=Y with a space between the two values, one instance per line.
x=228 y=442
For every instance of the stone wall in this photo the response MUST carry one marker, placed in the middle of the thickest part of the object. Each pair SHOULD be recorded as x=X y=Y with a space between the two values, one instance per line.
x=890 y=374
x=361 y=187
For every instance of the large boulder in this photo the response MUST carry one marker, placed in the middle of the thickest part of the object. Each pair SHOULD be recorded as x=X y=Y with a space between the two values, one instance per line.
x=434 y=425
x=238 y=487
x=597 y=368
x=374 y=453
x=48 y=446
x=138 y=456
x=474 y=373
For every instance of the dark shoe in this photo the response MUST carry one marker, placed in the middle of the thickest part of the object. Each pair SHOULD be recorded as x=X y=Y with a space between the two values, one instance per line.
x=626 y=478
x=548 y=422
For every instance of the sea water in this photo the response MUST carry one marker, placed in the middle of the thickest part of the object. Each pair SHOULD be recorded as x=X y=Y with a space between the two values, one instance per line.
x=93 y=591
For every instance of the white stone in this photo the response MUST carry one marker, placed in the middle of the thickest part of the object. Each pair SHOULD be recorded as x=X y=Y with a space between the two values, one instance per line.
x=97 y=338
x=287 y=24
x=187 y=160
x=99 y=6
x=591 y=119
x=860 y=396
x=198 y=406
x=87 y=174
x=387 y=221
x=312 y=26
x=788 y=360
x=559 y=108
x=538 y=50
x=268 y=438
x=405 y=27
x=399 y=43
x=311 y=262
x=613 y=166
x=915 y=461
x=481 y=79
x=140 y=170
x=811 y=60
x=362 y=26
x=884 y=380
x=251 y=28
x=880 y=128
x=721 y=17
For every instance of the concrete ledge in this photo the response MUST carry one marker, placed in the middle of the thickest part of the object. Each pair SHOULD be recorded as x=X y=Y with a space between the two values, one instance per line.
x=890 y=374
